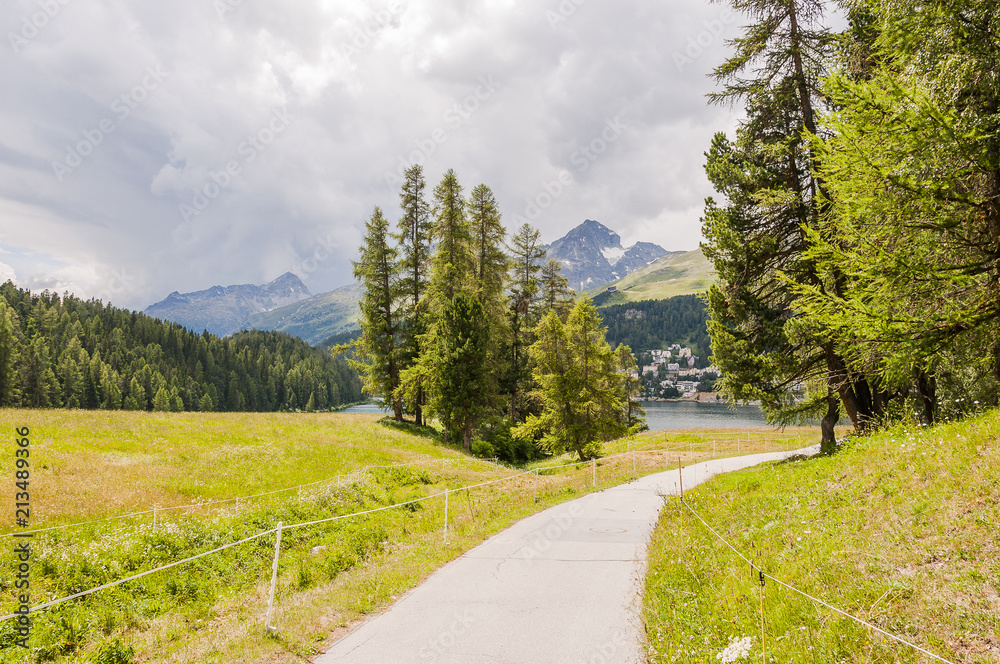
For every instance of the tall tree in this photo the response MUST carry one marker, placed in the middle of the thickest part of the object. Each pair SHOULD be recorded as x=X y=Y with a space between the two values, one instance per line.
x=462 y=363
x=491 y=267
x=10 y=356
x=526 y=255
x=452 y=263
x=773 y=188
x=914 y=175
x=556 y=294
x=579 y=383
x=414 y=238
x=377 y=352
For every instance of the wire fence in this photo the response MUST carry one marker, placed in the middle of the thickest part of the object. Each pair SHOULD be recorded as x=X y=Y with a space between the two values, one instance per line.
x=764 y=575
x=634 y=453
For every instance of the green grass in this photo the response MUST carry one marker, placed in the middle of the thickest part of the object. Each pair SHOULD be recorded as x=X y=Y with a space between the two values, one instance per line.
x=685 y=273
x=899 y=529
x=94 y=465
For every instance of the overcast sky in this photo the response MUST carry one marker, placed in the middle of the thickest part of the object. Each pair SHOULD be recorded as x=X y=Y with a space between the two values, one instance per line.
x=147 y=147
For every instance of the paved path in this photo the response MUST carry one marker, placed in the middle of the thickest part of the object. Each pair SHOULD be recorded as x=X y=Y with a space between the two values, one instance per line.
x=562 y=586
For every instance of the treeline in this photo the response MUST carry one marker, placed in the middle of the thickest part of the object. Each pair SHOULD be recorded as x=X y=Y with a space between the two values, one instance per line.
x=857 y=233
x=484 y=334
x=655 y=324
x=69 y=353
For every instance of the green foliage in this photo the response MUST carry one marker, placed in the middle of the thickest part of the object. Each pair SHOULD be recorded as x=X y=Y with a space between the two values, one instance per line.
x=64 y=352
x=583 y=389
x=656 y=324
x=460 y=358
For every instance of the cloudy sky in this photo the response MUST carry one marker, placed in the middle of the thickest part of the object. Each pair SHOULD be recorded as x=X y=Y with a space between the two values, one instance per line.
x=147 y=147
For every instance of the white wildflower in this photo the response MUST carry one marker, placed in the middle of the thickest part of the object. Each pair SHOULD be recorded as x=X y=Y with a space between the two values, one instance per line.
x=736 y=650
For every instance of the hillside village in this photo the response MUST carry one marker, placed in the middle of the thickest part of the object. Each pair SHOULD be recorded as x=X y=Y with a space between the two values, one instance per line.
x=674 y=373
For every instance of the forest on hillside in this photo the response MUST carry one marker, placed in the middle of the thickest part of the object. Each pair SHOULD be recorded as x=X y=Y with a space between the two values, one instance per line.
x=656 y=324
x=70 y=353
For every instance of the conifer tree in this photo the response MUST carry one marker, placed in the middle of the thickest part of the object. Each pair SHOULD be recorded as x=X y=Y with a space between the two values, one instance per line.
x=526 y=256
x=579 y=383
x=556 y=294
x=10 y=356
x=414 y=239
x=452 y=263
x=461 y=363
x=377 y=352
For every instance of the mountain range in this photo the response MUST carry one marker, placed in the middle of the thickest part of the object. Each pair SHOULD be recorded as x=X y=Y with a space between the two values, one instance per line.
x=224 y=310
x=591 y=255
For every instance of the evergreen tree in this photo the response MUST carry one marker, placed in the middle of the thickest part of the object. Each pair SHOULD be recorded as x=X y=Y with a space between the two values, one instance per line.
x=774 y=194
x=40 y=388
x=526 y=256
x=631 y=386
x=414 y=238
x=161 y=401
x=377 y=353
x=70 y=373
x=461 y=359
x=205 y=404
x=10 y=356
x=579 y=383
x=557 y=296
x=452 y=263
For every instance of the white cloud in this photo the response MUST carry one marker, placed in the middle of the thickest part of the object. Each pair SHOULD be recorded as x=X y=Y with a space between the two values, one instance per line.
x=365 y=86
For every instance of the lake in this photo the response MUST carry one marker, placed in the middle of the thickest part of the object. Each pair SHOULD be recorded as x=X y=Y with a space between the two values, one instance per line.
x=662 y=415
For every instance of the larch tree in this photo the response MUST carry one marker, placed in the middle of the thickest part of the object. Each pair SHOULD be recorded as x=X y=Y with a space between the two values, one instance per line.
x=376 y=349
x=414 y=242
x=462 y=365
x=526 y=254
x=556 y=295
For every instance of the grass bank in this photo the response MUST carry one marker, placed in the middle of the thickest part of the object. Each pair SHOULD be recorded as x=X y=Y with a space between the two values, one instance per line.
x=899 y=529
x=94 y=467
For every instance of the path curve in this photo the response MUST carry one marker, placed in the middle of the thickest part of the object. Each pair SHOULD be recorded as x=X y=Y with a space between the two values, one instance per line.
x=563 y=585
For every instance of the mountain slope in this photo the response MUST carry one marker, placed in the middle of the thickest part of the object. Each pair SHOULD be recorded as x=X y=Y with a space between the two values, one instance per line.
x=224 y=310
x=676 y=273
x=592 y=255
x=315 y=319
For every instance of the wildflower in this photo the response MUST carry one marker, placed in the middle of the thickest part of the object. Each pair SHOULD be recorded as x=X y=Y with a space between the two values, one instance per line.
x=736 y=650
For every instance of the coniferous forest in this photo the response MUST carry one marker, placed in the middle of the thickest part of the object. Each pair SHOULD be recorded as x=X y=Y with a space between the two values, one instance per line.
x=69 y=353
x=655 y=324
x=856 y=231
x=461 y=323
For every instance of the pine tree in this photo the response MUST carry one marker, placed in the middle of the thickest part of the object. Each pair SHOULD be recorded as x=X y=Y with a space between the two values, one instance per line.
x=40 y=387
x=526 y=256
x=10 y=356
x=461 y=359
x=631 y=387
x=70 y=373
x=452 y=264
x=579 y=383
x=205 y=404
x=377 y=352
x=773 y=187
x=556 y=295
x=161 y=402
x=414 y=238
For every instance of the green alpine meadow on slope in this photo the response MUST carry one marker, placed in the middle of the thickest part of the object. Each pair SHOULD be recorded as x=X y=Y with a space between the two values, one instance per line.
x=898 y=529
x=95 y=467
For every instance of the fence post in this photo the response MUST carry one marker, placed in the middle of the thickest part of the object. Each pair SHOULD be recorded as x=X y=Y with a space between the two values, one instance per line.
x=274 y=582
x=535 y=498
x=446 y=517
x=713 y=448
x=633 y=458
x=593 y=463
x=680 y=477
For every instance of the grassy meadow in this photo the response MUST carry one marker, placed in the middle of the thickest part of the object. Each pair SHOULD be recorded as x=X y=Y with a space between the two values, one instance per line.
x=901 y=529
x=90 y=466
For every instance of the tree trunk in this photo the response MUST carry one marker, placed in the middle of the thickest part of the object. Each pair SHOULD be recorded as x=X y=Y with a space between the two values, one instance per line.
x=418 y=410
x=926 y=388
x=828 y=443
x=468 y=435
